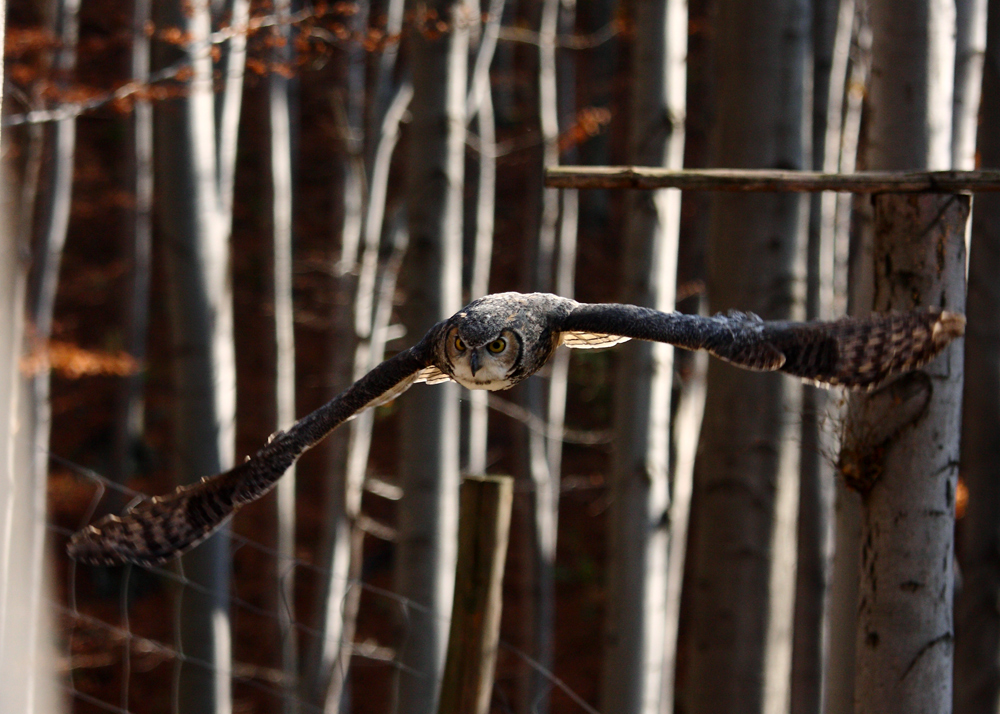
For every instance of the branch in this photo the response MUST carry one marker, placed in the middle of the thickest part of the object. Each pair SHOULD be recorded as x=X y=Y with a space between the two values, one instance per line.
x=770 y=180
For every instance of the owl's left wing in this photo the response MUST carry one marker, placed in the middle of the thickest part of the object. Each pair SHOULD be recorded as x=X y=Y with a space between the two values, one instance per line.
x=166 y=526
x=852 y=352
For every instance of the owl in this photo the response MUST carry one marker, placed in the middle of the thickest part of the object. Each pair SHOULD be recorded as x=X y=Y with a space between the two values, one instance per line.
x=499 y=340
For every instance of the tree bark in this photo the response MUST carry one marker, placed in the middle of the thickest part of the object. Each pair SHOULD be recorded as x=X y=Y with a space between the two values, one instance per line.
x=637 y=585
x=428 y=518
x=904 y=639
x=280 y=115
x=195 y=228
x=901 y=450
x=970 y=48
x=977 y=619
x=747 y=466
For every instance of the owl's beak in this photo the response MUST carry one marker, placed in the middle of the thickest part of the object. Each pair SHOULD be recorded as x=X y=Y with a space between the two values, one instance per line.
x=474 y=362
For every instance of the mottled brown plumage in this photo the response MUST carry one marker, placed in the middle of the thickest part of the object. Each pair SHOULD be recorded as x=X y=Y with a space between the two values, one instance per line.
x=494 y=343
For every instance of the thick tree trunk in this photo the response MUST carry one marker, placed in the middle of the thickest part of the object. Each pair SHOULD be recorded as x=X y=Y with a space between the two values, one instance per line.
x=901 y=450
x=428 y=518
x=977 y=619
x=747 y=472
x=637 y=585
x=196 y=232
x=904 y=639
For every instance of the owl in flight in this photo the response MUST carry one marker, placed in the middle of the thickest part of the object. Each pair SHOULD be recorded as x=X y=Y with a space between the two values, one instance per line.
x=494 y=343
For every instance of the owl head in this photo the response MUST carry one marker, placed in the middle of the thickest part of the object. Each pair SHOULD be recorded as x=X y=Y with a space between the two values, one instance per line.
x=482 y=359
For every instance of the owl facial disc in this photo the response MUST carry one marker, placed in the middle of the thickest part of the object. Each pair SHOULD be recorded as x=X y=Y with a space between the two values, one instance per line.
x=483 y=364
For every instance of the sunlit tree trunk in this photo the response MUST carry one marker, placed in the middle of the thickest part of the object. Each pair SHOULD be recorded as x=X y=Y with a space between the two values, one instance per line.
x=831 y=31
x=746 y=476
x=428 y=517
x=977 y=619
x=637 y=586
x=902 y=442
x=131 y=405
x=24 y=627
x=855 y=297
x=196 y=191
x=42 y=288
x=284 y=329
x=970 y=47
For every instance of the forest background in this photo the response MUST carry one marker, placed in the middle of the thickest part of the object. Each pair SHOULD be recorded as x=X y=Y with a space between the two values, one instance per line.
x=217 y=216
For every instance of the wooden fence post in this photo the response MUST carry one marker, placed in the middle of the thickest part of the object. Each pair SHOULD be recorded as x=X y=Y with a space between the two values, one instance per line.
x=483 y=527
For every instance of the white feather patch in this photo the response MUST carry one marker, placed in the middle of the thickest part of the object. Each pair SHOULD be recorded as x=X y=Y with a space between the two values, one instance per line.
x=589 y=340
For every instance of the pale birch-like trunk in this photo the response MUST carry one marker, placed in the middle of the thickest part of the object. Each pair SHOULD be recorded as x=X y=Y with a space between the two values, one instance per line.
x=902 y=442
x=841 y=616
x=26 y=684
x=977 y=619
x=48 y=249
x=640 y=524
x=324 y=674
x=279 y=109
x=746 y=476
x=196 y=220
x=480 y=105
x=970 y=48
x=131 y=405
x=428 y=514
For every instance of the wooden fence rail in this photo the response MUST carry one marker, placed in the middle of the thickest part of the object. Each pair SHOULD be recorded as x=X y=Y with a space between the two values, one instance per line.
x=643 y=177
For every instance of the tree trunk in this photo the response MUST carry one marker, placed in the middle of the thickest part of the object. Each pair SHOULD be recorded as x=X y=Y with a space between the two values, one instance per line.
x=280 y=114
x=904 y=639
x=637 y=585
x=196 y=232
x=970 y=48
x=977 y=619
x=27 y=684
x=428 y=518
x=131 y=404
x=831 y=29
x=746 y=476
x=852 y=288
x=901 y=449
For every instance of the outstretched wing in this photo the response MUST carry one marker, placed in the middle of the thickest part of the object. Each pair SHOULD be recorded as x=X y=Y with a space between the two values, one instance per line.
x=166 y=526
x=852 y=352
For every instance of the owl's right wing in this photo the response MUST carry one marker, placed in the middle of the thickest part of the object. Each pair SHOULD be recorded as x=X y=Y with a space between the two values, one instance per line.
x=852 y=352
x=166 y=526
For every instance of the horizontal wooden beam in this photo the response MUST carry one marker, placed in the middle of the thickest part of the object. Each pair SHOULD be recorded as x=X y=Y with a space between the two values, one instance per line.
x=767 y=180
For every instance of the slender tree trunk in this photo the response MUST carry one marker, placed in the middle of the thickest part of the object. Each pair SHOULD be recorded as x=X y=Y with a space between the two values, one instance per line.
x=325 y=675
x=284 y=330
x=747 y=471
x=480 y=104
x=428 y=518
x=970 y=48
x=640 y=502
x=841 y=616
x=977 y=619
x=26 y=684
x=831 y=31
x=195 y=224
x=902 y=443
x=547 y=401
x=131 y=405
x=41 y=310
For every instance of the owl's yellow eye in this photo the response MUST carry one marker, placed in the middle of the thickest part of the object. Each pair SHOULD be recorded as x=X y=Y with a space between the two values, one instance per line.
x=497 y=345
x=459 y=345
